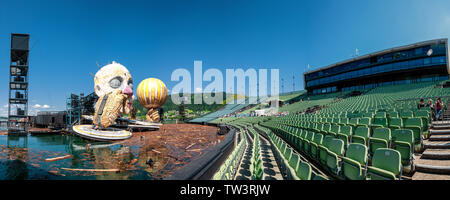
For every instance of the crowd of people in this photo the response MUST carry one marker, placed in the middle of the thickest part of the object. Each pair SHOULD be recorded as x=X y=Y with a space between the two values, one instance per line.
x=436 y=108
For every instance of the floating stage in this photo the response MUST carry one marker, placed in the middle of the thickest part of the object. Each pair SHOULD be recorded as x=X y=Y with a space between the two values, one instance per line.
x=104 y=134
x=121 y=130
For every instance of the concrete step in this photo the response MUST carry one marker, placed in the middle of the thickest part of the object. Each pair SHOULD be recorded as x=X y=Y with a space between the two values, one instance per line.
x=443 y=122
x=437 y=154
x=439 y=138
x=436 y=145
x=433 y=169
x=441 y=126
x=440 y=131
x=429 y=176
x=432 y=166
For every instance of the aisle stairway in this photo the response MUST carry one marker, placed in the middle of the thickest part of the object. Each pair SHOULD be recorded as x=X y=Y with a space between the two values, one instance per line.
x=434 y=162
x=243 y=171
x=270 y=167
x=271 y=170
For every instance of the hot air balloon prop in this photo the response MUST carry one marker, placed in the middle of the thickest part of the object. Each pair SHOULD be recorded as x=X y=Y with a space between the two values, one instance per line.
x=152 y=94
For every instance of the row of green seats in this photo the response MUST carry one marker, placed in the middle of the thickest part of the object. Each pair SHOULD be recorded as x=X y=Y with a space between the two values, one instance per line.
x=348 y=127
x=228 y=169
x=256 y=167
x=290 y=163
x=329 y=151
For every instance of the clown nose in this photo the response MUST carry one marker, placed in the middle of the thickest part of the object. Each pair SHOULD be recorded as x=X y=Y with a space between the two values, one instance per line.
x=128 y=90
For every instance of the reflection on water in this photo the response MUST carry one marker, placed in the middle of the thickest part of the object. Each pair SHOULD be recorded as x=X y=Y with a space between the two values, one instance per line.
x=23 y=157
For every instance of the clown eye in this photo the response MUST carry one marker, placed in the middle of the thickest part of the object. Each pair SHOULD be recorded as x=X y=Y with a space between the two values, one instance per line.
x=115 y=82
x=130 y=83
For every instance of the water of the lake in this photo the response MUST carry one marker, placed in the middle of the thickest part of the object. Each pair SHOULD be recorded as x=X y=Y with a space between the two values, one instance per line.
x=24 y=158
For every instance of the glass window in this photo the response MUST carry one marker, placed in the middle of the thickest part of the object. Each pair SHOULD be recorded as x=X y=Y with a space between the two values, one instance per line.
x=415 y=63
x=426 y=79
x=418 y=51
x=436 y=60
x=441 y=78
x=404 y=65
x=384 y=58
x=419 y=62
x=387 y=67
x=365 y=72
x=427 y=61
x=397 y=66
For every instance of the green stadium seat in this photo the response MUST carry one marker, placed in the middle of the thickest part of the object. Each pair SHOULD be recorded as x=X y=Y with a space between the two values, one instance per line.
x=386 y=165
x=345 y=134
x=304 y=171
x=318 y=128
x=301 y=140
x=353 y=122
x=406 y=114
x=293 y=160
x=283 y=148
x=326 y=129
x=355 y=158
x=323 y=149
x=335 y=149
x=314 y=148
x=425 y=116
x=415 y=124
x=308 y=140
x=368 y=114
x=393 y=114
x=335 y=120
x=403 y=141
x=361 y=135
x=380 y=139
x=318 y=177
x=365 y=121
x=335 y=129
x=343 y=121
x=379 y=123
x=259 y=171
x=380 y=115
x=395 y=123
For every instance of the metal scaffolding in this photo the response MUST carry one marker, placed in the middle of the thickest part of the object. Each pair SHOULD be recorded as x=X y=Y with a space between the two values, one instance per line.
x=78 y=105
x=73 y=110
x=18 y=85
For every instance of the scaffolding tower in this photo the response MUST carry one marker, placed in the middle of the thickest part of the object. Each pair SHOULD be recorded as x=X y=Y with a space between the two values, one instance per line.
x=73 y=110
x=18 y=85
x=78 y=105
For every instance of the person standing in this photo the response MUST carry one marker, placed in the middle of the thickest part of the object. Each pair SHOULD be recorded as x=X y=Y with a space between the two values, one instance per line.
x=431 y=106
x=438 y=108
x=421 y=104
x=429 y=103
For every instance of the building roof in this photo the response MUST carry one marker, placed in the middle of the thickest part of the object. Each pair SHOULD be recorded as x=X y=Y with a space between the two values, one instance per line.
x=382 y=52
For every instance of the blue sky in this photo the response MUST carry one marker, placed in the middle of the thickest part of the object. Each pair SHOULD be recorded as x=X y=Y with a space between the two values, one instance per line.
x=153 y=38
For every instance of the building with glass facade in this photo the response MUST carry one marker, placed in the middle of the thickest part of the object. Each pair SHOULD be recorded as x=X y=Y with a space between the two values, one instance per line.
x=419 y=62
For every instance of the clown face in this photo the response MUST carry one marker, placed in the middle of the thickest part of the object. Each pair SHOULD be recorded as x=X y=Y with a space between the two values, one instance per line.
x=112 y=77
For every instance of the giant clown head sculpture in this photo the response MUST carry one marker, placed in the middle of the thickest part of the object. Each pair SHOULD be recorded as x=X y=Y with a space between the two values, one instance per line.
x=114 y=86
x=112 y=77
